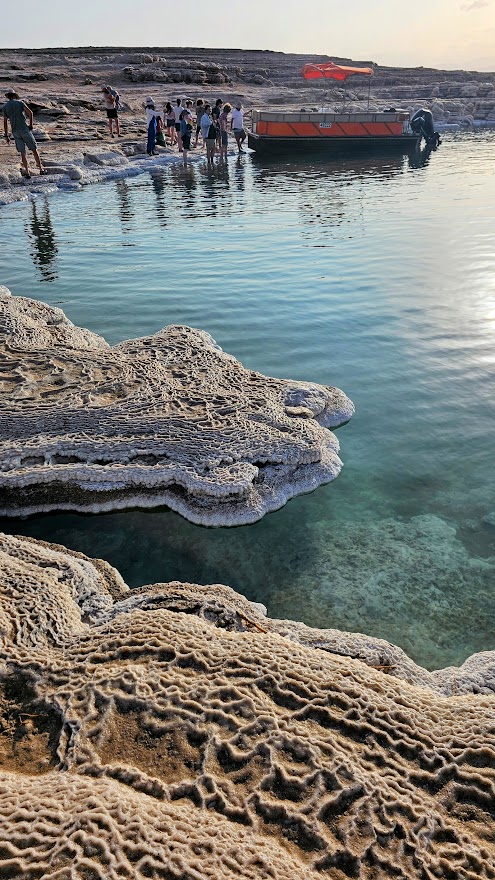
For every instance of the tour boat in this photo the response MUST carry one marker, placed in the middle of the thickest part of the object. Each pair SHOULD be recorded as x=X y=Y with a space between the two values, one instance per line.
x=273 y=131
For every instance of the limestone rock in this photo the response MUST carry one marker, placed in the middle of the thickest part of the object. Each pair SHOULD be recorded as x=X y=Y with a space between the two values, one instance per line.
x=109 y=158
x=173 y=732
x=167 y=419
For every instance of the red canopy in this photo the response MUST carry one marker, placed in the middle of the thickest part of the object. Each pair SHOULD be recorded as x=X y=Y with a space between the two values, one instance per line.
x=333 y=71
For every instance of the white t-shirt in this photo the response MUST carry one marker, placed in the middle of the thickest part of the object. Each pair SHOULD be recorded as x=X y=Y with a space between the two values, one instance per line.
x=150 y=113
x=205 y=123
x=237 y=119
x=177 y=111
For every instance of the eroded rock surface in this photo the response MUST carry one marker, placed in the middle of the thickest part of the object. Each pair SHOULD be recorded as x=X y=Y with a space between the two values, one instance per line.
x=174 y=732
x=166 y=419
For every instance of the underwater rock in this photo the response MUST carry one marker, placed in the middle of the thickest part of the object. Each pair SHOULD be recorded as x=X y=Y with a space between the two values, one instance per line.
x=166 y=419
x=173 y=732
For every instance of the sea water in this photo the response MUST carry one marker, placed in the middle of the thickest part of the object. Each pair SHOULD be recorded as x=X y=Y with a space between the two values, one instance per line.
x=375 y=274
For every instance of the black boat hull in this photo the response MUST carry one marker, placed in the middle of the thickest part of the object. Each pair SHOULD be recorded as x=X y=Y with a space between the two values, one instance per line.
x=267 y=144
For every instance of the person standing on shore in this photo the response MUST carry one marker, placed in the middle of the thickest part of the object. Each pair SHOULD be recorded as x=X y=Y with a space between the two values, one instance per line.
x=178 y=109
x=208 y=131
x=200 y=109
x=237 y=125
x=224 y=137
x=205 y=122
x=115 y=94
x=151 y=126
x=185 y=132
x=109 y=103
x=15 y=111
x=216 y=117
x=170 y=118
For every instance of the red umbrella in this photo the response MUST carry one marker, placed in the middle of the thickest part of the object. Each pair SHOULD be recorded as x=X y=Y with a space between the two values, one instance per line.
x=333 y=71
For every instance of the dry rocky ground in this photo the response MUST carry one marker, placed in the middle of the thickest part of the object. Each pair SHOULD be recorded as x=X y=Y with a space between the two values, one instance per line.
x=63 y=88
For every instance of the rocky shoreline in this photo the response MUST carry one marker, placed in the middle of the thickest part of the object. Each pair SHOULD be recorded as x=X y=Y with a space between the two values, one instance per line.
x=166 y=419
x=63 y=88
x=176 y=731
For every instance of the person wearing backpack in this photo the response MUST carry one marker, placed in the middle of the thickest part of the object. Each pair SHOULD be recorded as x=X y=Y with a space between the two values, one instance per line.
x=112 y=113
x=185 y=132
x=115 y=94
x=224 y=135
x=209 y=132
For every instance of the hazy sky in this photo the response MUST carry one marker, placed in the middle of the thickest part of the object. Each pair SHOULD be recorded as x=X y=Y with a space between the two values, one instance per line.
x=437 y=33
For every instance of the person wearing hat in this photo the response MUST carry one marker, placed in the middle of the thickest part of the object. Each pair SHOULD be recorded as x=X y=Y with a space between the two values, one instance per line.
x=151 y=115
x=237 y=124
x=15 y=111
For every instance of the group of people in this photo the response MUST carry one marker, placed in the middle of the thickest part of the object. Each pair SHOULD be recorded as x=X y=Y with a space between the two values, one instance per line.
x=181 y=122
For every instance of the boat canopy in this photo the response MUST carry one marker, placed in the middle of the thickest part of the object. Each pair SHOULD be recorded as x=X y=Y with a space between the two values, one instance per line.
x=333 y=71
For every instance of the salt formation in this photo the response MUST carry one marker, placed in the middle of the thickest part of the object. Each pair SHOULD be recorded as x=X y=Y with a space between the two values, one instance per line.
x=173 y=732
x=166 y=419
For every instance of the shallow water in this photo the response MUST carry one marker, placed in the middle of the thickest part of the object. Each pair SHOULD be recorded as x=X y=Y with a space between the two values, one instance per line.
x=369 y=274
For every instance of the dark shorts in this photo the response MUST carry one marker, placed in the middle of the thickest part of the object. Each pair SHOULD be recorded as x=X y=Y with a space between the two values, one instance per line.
x=186 y=141
x=239 y=132
x=170 y=123
x=177 y=126
x=23 y=140
x=112 y=114
x=225 y=138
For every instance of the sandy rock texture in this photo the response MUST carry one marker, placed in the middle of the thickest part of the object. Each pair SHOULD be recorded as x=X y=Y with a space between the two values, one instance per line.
x=173 y=732
x=63 y=87
x=166 y=419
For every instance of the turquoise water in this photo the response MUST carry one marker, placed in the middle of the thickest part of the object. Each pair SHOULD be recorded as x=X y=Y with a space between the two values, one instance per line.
x=369 y=274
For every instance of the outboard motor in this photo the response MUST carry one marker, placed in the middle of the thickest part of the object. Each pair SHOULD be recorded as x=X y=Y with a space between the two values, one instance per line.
x=422 y=125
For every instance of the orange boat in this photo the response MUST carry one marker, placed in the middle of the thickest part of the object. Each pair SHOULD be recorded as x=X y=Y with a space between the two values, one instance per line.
x=273 y=131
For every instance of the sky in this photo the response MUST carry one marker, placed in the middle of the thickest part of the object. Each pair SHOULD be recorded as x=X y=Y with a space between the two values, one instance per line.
x=447 y=34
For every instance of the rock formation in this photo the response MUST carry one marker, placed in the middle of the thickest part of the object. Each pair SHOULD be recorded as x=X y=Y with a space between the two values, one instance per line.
x=174 y=732
x=167 y=419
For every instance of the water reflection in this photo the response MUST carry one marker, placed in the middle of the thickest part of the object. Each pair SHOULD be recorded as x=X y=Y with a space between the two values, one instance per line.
x=126 y=212
x=332 y=193
x=158 y=184
x=420 y=157
x=42 y=237
x=354 y=167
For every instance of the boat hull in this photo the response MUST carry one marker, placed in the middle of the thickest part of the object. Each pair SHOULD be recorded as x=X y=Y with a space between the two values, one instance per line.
x=270 y=144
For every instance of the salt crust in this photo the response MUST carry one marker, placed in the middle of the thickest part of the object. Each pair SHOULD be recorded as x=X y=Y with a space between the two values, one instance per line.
x=166 y=419
x=95 y=167
x=174 y=732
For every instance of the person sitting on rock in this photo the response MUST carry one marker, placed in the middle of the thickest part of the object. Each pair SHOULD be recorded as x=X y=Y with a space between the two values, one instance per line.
x=112 y=114
x=15 y=112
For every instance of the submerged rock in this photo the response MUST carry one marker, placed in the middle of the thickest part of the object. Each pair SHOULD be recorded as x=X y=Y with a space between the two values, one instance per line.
x=172 y=731
x=166 y=419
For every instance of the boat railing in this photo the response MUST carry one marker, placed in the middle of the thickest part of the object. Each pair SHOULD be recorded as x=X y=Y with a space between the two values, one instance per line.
x=327 y=118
